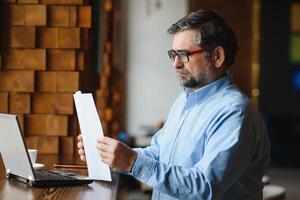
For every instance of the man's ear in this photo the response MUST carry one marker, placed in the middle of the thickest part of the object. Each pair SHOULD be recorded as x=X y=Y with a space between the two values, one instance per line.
x=218 y=56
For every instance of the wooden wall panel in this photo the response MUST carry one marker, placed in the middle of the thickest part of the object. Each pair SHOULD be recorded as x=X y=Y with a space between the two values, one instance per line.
x=19 y=103
x=66 y=145
x=30 y=15
x=69 y=38
x=25 y=59
x=44 y=144
x=28 y=1
x=17 y=15
x=46 y=81
x=85 y=16
x=83 y=60
x=43 y=125
x=47 y=37
x=48 y=50
x=20 y=118
x=22 y=37
x=62 y=16
x=61 y=59
x=67 y=81
x=65 y=38
x=35 y=15
x=58 y=81
x=64 y=2
x=3 y=102
x=74 y=129
x=85 y=38
x=52 y=103
x=17 y=81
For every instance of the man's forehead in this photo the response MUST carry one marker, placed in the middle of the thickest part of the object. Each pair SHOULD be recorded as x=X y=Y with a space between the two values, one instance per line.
x=184 y=39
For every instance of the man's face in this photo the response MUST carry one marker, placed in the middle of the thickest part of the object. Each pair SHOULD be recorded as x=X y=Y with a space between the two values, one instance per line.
x=198 y=71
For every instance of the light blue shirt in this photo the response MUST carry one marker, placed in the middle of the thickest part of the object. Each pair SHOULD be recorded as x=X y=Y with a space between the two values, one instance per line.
x=213 y=146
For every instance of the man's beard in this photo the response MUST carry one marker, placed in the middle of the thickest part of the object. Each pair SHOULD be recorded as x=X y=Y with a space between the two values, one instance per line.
x=189 y=81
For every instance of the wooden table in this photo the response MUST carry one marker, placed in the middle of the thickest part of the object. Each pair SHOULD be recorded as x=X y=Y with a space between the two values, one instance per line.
x=11 y=189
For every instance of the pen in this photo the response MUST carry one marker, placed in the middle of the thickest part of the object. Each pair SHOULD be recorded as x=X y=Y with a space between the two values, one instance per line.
x=70 y=166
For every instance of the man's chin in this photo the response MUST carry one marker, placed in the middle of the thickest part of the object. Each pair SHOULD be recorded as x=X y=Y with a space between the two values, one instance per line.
x=185 y=84
x=189 y=84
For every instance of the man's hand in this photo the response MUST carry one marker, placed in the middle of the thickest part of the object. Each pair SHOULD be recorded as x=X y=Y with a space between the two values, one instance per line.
x=116 y=154
x=81 y=148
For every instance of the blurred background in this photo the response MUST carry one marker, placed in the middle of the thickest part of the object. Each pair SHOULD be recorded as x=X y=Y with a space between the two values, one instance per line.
x=117 y=50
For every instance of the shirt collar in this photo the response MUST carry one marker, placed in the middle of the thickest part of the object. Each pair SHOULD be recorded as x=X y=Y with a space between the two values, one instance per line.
x=207 y=91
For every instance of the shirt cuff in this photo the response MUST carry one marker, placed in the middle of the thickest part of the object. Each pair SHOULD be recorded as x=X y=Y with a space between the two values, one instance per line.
x=143 y=167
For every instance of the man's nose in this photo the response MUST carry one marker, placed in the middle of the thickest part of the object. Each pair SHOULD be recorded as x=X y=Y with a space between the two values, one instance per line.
x=177 y=63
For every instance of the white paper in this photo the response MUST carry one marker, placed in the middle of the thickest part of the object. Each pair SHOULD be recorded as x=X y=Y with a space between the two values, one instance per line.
x=91 y=130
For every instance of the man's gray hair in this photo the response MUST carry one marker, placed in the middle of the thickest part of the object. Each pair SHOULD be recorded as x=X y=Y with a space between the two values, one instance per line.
x=212 y=31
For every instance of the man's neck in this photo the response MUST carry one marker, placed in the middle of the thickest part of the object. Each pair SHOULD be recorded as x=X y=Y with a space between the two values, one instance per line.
x=213 y=79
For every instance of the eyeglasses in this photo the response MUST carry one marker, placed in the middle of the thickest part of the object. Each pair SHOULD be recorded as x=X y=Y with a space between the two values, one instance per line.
x=182 y=55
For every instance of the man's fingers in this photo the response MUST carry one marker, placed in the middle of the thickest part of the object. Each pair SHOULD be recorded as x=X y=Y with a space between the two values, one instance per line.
x=105 y=147
x=107 y=160
x=81 y=152
x=81 y=148
x=80 y=145
x=104 y=155
x=82 y=158
x=109 y=145
x=79 y=137
x=107 y=140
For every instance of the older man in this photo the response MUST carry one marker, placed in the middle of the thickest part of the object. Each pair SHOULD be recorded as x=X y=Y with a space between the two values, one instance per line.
x=213 y=144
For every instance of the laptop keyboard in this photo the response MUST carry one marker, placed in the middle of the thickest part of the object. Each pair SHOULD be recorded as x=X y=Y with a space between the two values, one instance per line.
x=49 y=175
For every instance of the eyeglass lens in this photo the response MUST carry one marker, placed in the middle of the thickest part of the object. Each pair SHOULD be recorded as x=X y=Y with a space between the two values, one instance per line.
x=181 y=55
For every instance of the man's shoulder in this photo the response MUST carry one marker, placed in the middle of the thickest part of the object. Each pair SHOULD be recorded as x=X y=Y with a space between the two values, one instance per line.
x=231 y=97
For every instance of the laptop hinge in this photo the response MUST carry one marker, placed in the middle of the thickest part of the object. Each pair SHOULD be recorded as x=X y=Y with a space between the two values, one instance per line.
x=30 y=178
x=8 y=173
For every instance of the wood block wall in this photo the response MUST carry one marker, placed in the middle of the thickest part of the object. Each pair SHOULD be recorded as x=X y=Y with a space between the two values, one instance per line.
x=47 y=50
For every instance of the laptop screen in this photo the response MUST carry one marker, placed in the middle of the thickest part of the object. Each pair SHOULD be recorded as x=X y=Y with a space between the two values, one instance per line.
x=13 y=149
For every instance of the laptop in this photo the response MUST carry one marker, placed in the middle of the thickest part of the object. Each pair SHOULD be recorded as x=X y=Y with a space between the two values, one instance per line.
x=17 y=162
